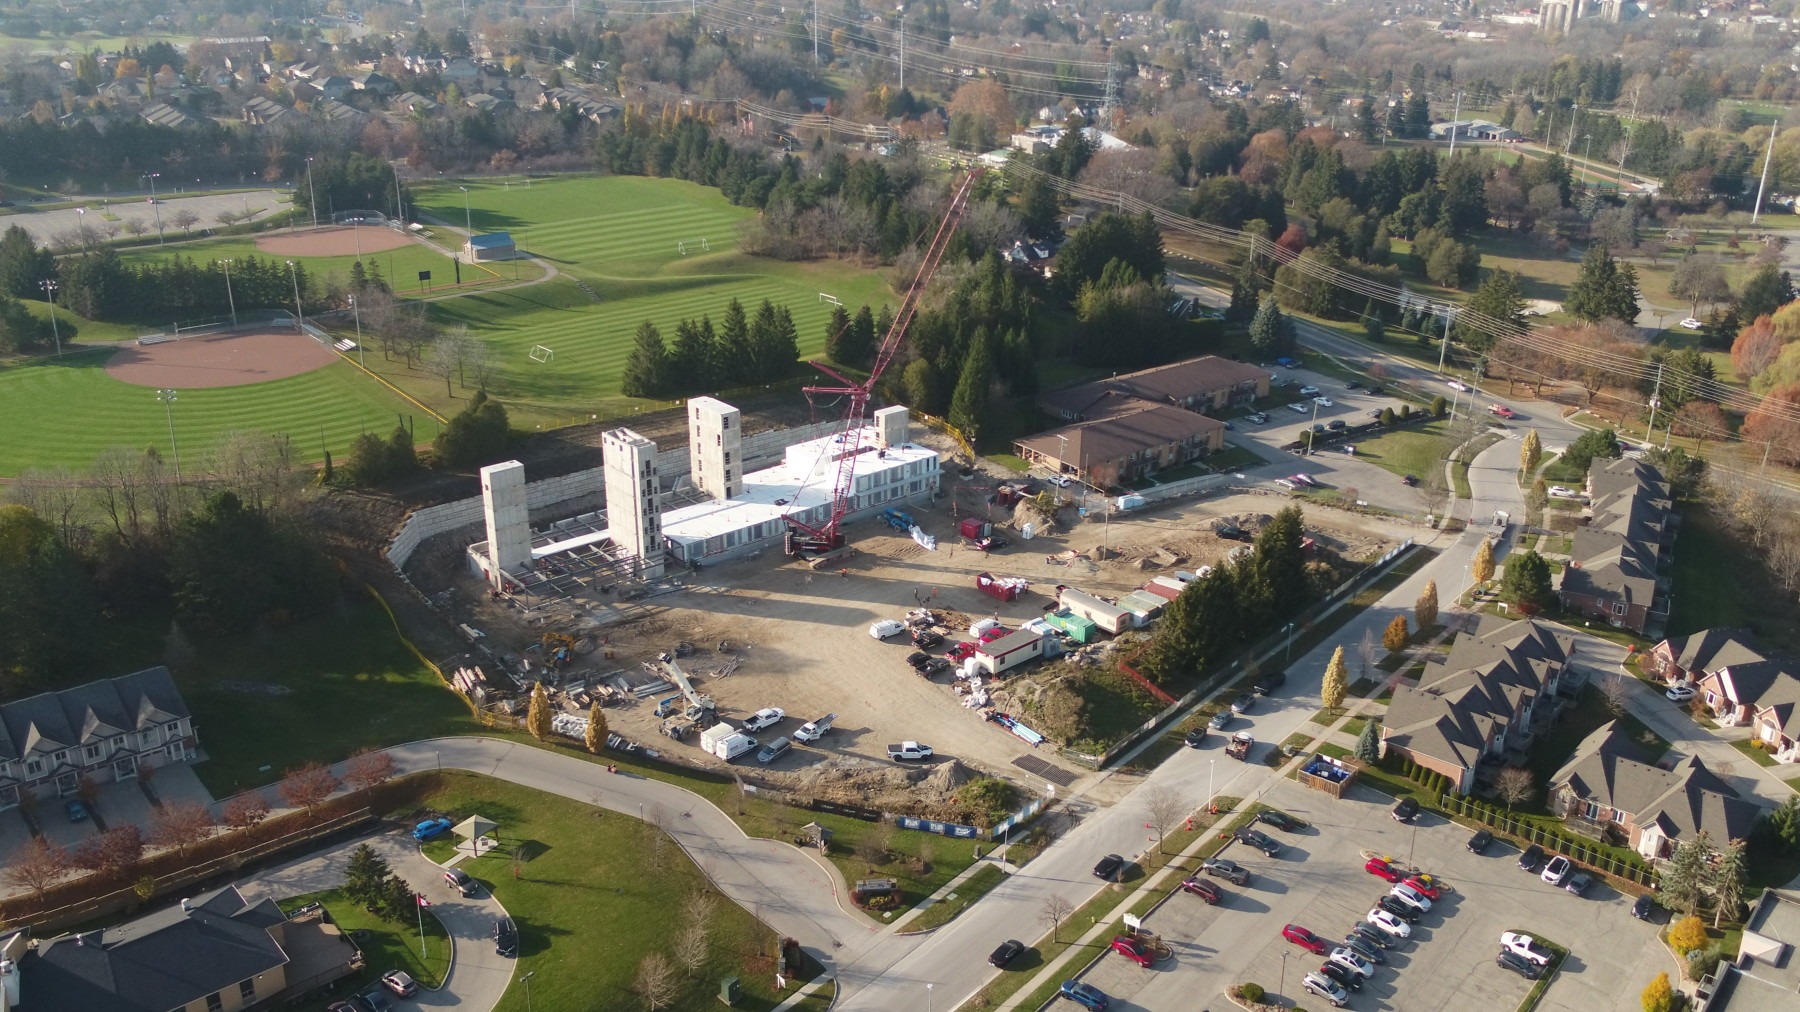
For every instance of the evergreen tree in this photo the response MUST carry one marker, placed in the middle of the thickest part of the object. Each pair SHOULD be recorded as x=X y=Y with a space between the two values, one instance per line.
x=476 y=435
x=1682 y=881
x=732 y=348
x=1271 y=333
x=968 y=408
x=1526 y=585
x=1605 y=289
x=1726 y=881
x=537 y=717
x=365 y=875
x=690 y=362
x=1243 y=300
x=1368 y=743
x=23 y=265
x=1767 y=290
x=647 y=368
x=1497 y=308
x=923 y=386
x=1039 y=209
x=837 y=331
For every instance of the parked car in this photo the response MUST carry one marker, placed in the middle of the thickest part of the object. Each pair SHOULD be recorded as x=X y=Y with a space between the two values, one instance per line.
x=1280 y=820
x=1351 y=961
x=887 y=628
x=1200 y=887
x=1410 y=481
x=1299 y=407
x=1578 y=883
x=1557 y=870
x=1309 y=391
x=1060 y=480
x=1195 y=738
x=1244 y=702
x=1406 y=811
x=1372 y=934
x=1134 y=950
x=1398 y=907
x=1261 y=841
x=1425 y=885
x=1221 y=720
x=400 y=982
x=1645 y=908
x=1506 y=959
x=1005 y=953
x=1335 y=424
x=430 y=829
x=1345 y=977
x=1304 y=938
x=1412 y=897
x=75 y=810
x=1109 y=867
x=1563 y=492
x=1501 y=410
x=1526 y=946
x=1379 y=867
x=1086 y=995
x=373 y=1000
x=1269 y=682
x=766 y=717
x=1532 y=859
x=1692 y=323
x=926 y=639
x=1478 y=844
x=1258 y=417
x=1681 y=692
x=1326 y=988
x=773 y=751
x=1324 y=402
x=1230 y=871
x=1363 y=947
x=1395 y=926
x=460 y=881
x=506 y=937
x=1288 y=362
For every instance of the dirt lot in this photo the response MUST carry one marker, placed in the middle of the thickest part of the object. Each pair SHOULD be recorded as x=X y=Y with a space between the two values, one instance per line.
x=800 y=641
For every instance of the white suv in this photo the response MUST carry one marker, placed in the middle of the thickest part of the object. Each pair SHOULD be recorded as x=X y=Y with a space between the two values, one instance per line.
x=1557 y=870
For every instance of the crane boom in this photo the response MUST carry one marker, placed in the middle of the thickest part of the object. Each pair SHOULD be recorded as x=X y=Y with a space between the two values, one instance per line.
x=825 y=536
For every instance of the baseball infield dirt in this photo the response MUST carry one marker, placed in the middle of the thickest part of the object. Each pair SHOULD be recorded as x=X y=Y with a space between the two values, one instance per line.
x=222 y=360
x=336 y=241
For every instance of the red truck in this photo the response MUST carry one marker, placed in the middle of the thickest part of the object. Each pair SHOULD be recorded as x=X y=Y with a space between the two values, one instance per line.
x=1000 y=588
x=980 y=534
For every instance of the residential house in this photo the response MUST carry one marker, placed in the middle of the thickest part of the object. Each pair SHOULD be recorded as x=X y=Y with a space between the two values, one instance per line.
x=488 y=103
x=1610 y=788
x=103 y=731
x=463 y=73
x=218 y=952
x=1206 y=383
x=127 y=90
x=1485 y=702
x=334 y=87
x=260 y=110
x=411 y=104
x=1765 y=975
x=305 y=70
x=1618 y=558
x=164 y=114
x=338 y=112
x=375 y=83
x=1776 y=722
x=1126 y=447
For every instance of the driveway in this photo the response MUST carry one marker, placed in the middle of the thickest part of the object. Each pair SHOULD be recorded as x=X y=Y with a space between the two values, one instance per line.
x=56 y=827
x=478 y=976
x=123 y=802
x=177 y=782
x=1318 y=882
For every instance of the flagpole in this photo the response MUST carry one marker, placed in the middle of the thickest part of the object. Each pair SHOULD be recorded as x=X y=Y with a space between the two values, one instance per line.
x=419 y=904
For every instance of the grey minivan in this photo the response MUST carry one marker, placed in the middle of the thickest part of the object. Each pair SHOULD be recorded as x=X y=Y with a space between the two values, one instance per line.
x=774 y=750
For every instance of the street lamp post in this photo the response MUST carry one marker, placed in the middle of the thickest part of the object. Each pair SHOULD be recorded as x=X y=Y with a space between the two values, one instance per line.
x=154 y=206
x=1290 y=643
x=468 y=222
x=527 y=980
x=1212 y=768
x=167 y=397
x=229 y=298
x=49 y=286
x=1284 y=957
x=294 y=273
x=928 y=1005
x=312 y=199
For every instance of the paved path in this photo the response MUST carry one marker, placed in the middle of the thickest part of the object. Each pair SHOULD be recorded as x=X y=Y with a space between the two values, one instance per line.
x=478 y=976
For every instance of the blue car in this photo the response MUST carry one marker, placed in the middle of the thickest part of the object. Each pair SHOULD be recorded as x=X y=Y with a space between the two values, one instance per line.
x=1086 y=995
x=1288 y=362
x=431 y=829
x=76 y=811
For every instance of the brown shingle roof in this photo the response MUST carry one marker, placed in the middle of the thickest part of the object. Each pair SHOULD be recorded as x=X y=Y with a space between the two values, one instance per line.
x=1111 y=438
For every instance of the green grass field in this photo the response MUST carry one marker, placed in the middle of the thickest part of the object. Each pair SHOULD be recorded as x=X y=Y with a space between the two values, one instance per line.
x=400 y=267
x=64 y=414
x=618 y=235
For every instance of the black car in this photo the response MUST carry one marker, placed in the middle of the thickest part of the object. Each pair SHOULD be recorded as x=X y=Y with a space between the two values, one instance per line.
x=926 y=639
x=373 y=1000
x=1269 y=682
x=1353 y=385
x=1195 y=738
x=1478 y=844
x=1407 y=810
x=1347 y=978
x=1261 y=841
x=1230 y=533
x=1409 y=481
x=1398 y=907
x=1369 y=951
x=1280 y=820
x=918 y=659
x=1579 y=883
x=1335 y=424
x=1532 y=859
x=1109 y=867
x=1509 y=960
x=506 y=937
x=1007 y=952
x=1644 y=909
x=1372 y=935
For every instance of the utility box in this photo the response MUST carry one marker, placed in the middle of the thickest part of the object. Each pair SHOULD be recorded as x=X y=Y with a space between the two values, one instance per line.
x=729 y=992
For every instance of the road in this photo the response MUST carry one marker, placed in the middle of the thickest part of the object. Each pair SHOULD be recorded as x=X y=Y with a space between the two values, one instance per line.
x=477 y=977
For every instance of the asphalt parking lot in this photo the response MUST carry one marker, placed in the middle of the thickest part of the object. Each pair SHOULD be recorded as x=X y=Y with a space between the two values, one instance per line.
x=1318 y=881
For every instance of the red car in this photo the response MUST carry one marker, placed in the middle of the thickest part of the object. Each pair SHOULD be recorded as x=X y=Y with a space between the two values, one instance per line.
x=1431 y=887
x=1381 y=869
x=1501 y=410
x=1203 y=889
x=1304 y=939
x=1134 y=950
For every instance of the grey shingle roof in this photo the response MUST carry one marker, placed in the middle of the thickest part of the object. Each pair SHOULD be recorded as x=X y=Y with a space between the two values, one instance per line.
x=1712 y=649
x=1608 y=768
x=95 y=711
x=1477 y=692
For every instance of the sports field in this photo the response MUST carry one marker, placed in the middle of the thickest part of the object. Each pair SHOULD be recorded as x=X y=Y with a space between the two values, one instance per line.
x=400 y=267
x=617 y=235
x=65 y=414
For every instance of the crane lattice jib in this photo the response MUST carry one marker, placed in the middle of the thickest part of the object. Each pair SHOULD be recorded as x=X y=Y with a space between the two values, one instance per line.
x=858 y=392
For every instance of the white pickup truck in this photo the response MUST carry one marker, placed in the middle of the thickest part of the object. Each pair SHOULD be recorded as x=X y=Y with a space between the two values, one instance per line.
x=909 y=750
x=813 y=730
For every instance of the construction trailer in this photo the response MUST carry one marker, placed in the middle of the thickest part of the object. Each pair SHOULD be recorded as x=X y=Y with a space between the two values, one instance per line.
x=1009 y=651
x=1143 y=605
x=1103 y=614
x=1079 y=629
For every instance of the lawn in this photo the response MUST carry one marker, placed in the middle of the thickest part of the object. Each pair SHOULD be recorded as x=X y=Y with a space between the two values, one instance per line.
x=1721 y=582
x=597 y=895
x=946 y=910
x=618 y=236
x=399 y=267
x=319 y=689
x=1552 y=748
x=63 y=413
x=1417 y=450
x=386 y=945
x=83 y=330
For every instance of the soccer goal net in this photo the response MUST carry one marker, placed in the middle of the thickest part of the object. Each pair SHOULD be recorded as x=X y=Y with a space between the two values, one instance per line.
x=692 y=246
x=542 y=353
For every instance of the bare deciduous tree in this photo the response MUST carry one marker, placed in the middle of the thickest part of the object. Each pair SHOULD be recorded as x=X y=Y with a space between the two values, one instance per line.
x=246 y=810
x=308 y=786
x=185 y=220
x=699 y=905
x=1514 y=786
x=36 y=866
x=181 y=824
x=1165 y=808
x=1054 y=911
x=693 y=944
x=1369 y=652
x=658 y=983
x=1615 y=692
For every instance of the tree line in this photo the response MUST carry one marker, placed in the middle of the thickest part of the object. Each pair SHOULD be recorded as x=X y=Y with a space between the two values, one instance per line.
x=743 y=350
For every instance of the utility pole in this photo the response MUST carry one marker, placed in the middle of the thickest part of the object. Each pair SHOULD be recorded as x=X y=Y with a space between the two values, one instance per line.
x=357 y=312
x=1761 y=187
x=903 y=54
x=167 y=397
x=229 y=298
x=299 y=316
x=311 y=198
x=1444 y=348
x=49 y=286
x=1655 y=402
x=399 y=204
x=815 y=21
x=1455 y=113
x=153 y=176
x=1574 y=121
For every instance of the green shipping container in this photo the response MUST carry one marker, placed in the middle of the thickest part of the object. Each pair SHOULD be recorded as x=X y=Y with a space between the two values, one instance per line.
x=1081 y=630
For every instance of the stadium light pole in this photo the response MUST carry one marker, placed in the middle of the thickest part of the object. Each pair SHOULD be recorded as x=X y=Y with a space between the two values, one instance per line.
x=294 y=274
x=154 y=206
x=312 y=199
x=49 y=286
x=468 y=225
x=229 y=298
x=167 y=397
x=357 y=313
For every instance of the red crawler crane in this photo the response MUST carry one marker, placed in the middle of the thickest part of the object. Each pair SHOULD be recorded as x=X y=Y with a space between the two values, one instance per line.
x=805 y=537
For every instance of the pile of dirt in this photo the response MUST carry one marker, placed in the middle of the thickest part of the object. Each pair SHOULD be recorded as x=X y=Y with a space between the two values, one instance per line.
x=923 y=790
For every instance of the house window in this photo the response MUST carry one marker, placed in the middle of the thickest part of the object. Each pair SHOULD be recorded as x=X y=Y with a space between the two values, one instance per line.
x=214 y=1003
x=1591 y=810
x=34 y=767
x=1619 y=609
x=247 y=989
x=91 y=753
